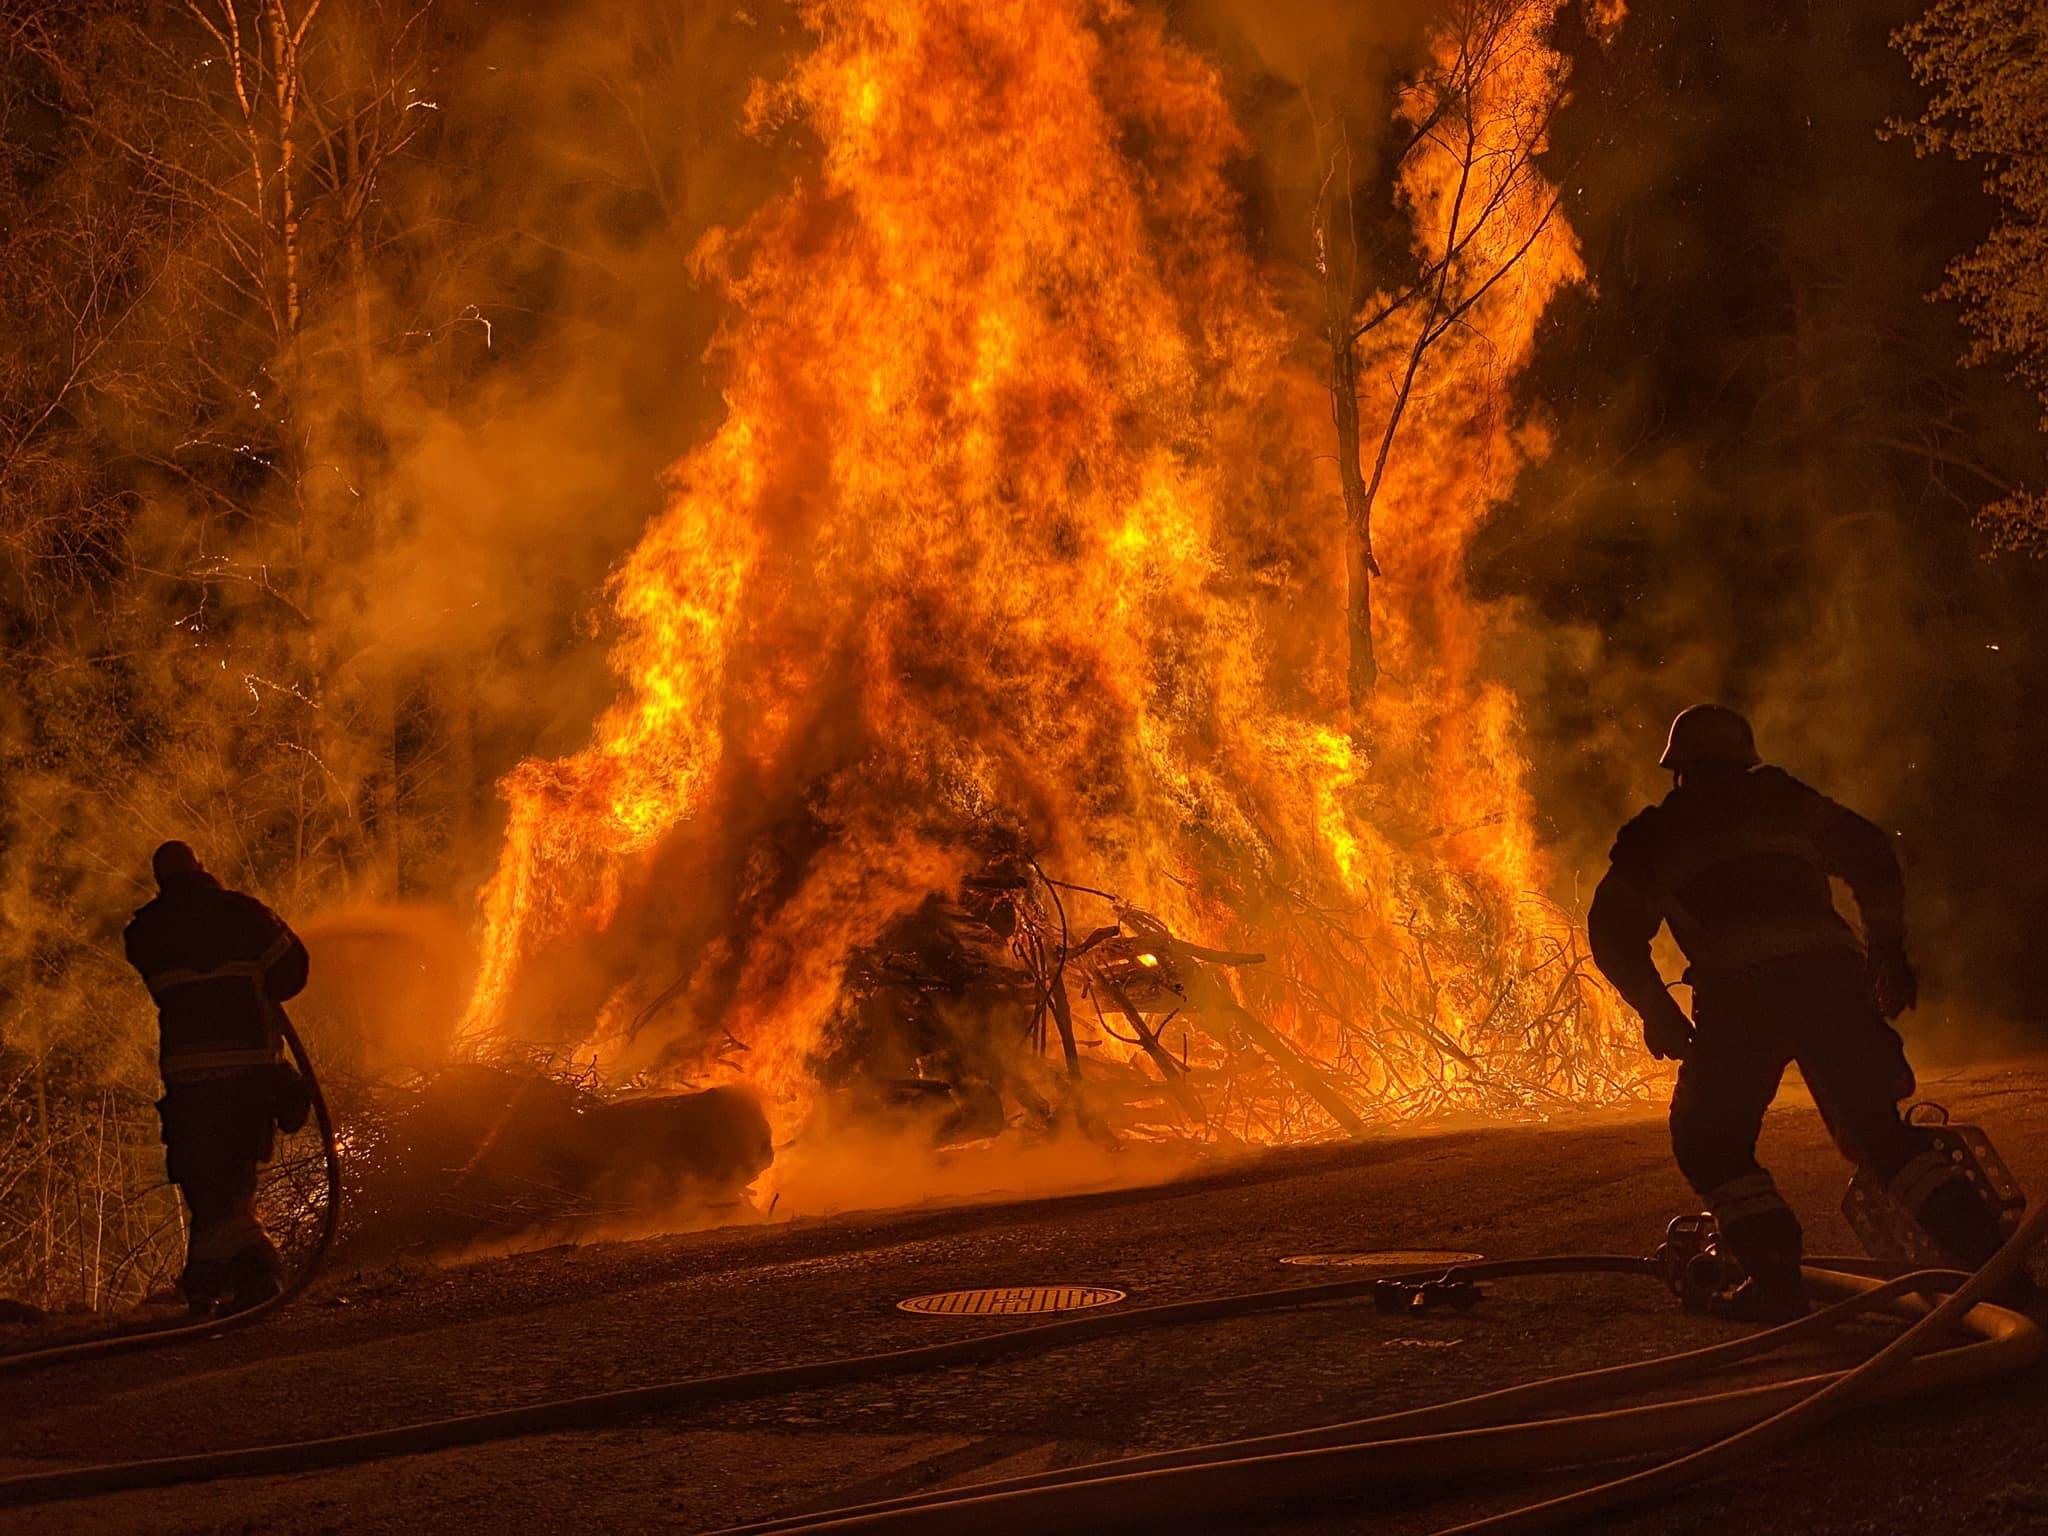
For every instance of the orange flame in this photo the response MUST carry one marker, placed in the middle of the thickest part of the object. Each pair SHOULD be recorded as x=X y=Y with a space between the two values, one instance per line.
x=1015 y=534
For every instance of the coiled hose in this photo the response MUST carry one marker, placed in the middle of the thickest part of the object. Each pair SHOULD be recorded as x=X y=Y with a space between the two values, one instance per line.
x=174 y=1333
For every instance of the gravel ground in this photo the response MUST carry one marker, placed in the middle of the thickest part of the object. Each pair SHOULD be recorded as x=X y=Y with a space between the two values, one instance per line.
x=374 y=1349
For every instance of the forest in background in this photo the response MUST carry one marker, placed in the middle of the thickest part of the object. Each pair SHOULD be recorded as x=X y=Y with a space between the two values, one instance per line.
x=346 y=346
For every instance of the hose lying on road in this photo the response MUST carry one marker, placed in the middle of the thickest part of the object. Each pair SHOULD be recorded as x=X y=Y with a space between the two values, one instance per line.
x=1487 y=1409
x=1471 y=1443
x=1877 y=1377
x=1186 y=1494
x=1347 y=1462
x=151 y=1337
x=632 y=1402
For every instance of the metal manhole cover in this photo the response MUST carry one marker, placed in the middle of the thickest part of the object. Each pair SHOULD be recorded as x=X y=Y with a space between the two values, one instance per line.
x=1393 y=1260
x=1010 y=1300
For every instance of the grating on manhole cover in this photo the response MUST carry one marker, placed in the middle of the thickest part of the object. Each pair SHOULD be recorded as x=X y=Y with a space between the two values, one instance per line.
x=1393 y=1260
x=1010 y=1300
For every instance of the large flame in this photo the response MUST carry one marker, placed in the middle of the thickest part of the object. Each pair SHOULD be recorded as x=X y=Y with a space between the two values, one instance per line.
x=1020 y=533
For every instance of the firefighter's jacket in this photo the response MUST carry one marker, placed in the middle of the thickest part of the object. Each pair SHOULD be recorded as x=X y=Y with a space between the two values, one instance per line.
x=219 y=964
x=1738 y=865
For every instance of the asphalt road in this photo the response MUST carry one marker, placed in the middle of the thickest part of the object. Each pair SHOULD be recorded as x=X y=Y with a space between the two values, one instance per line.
x=378 y=1348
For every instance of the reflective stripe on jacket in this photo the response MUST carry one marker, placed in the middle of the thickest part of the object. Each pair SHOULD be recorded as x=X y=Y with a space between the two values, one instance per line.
x=219 y=964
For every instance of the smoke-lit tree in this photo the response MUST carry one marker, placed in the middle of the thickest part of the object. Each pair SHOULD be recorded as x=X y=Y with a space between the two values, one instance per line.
x=341 y=347
x=180 y=189
x=1986 y=62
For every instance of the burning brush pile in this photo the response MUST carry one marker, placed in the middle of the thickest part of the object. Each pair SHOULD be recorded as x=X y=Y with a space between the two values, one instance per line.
x=983 y=751
x=982 y=1007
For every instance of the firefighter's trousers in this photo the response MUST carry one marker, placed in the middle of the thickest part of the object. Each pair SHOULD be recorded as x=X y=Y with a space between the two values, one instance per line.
x=217 y=1134
x=1817 y=1010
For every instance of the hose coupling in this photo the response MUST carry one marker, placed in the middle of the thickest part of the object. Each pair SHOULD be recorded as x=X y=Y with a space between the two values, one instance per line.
x=1413 y=1296
x=1686 y=1238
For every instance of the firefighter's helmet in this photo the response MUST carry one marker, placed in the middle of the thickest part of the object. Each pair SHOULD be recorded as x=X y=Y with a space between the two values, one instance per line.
x=1709 y=735
x=173 y=859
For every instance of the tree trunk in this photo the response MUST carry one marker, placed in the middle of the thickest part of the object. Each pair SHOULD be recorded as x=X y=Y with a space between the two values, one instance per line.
x=1339 y=241
x=1360 y=566
x=386 y=857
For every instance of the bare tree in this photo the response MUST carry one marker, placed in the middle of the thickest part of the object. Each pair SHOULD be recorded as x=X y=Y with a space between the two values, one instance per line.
x=247 y=267
x=1471 y=126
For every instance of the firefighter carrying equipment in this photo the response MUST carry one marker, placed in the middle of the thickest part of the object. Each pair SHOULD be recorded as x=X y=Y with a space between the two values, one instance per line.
x=1956 y=1200
x=1709 y=733
x=1738 y=862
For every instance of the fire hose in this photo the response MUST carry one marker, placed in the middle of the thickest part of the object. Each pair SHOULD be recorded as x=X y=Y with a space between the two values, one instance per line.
x=1334 y=1461
x=1347 y=1461
x=151 y=1337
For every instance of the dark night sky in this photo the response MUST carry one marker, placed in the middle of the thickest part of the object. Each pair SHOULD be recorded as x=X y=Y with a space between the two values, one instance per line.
x=1742 y=501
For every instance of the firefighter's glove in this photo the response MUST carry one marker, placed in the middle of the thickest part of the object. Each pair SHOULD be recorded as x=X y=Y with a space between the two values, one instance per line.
x=1891 y=973
x=1667 y=1031
x=291 y=1100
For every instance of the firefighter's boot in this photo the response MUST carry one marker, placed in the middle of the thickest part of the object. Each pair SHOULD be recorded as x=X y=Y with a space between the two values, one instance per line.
x=231 y=1263
x=1767 y=1245
x=255 y=1275
x=204 y=1283
x=1759 y=1232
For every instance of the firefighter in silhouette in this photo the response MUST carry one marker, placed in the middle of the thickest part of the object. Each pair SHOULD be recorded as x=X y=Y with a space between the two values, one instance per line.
x=1737 y=860
x=219 y=965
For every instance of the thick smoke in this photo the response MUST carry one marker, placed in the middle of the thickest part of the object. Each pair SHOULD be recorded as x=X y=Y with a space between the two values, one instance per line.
x=323 y=413
x=583 y=155
x=305 y=549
